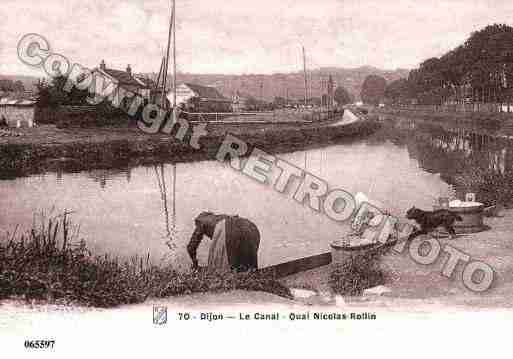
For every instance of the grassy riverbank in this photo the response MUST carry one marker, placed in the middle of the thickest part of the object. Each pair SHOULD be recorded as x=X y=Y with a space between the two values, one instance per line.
x=50 y=263
x=45 y=271
x=49 y=148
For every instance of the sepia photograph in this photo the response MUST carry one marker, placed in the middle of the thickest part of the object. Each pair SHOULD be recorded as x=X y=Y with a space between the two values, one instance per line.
x=256 y=178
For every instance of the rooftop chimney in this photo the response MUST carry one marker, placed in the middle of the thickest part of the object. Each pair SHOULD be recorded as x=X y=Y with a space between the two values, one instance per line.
x=129 y=70
x=102 y=65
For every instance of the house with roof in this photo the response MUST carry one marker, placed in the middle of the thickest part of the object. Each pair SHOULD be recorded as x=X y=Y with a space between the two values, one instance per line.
x=126 y=80
x=17 y=112
x=198 y=98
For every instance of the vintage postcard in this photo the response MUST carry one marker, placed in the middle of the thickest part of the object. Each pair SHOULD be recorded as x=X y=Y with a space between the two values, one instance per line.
x=251 y=178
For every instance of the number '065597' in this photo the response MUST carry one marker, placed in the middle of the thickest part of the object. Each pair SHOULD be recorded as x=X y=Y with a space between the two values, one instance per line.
x=39 y=344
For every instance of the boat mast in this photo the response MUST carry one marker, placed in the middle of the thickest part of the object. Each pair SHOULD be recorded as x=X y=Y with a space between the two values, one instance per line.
x=174 y=53
x=162 y=67
x=171 y=27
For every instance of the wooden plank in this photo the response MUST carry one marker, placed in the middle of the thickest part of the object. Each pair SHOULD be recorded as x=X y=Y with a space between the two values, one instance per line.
x=298 y=265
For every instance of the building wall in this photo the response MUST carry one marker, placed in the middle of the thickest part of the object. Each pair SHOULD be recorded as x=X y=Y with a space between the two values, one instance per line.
x=204 y=105
x=194 y=103
x=13 y=114
x=143 y=92
x=183 y=94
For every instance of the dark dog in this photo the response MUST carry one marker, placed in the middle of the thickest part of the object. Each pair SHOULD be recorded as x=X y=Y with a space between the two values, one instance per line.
x=430 y=220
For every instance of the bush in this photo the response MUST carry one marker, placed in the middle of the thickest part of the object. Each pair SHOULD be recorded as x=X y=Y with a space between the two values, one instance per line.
x=357 y=273
x=491 y=188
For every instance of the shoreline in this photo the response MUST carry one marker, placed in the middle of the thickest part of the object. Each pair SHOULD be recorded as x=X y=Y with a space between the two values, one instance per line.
x=498 y=122
x=47 y=148
x=406 y=283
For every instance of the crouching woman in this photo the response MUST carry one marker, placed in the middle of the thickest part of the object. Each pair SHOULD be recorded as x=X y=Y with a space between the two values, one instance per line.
x=234 y=246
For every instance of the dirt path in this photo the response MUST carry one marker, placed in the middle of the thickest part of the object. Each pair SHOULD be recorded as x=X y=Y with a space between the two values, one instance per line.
x=414 y=285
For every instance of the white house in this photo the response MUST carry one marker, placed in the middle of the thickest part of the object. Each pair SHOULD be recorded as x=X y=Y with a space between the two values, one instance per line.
x=124 y=79
x=200 y=98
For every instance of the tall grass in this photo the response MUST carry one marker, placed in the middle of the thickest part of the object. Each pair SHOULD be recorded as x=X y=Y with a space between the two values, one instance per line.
x=50 y=262
x=205 y=281
x=357 y=273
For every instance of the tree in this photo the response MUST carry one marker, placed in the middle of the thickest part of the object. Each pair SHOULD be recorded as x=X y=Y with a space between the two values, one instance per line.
x=53 y=94
x=342 y=96
x=11 y=86
x=398 y=91
x=6 y=85
x=279 y=102
x=315 y=101
x=252 y=104
x=480 y=69
x=373 y=89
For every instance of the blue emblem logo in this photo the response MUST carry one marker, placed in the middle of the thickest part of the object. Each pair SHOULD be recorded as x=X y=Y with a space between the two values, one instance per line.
x=159 y=315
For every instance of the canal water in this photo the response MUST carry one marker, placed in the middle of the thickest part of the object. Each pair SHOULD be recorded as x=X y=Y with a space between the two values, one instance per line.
x=132 y=211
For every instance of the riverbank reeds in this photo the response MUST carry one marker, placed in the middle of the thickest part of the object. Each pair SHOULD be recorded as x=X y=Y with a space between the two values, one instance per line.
x=50 y=263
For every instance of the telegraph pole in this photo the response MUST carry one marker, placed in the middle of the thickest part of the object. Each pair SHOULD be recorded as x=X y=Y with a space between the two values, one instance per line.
x=310 y=96
x=322 y=91
x=306 y=81
x=262 y=92
x=331 y=93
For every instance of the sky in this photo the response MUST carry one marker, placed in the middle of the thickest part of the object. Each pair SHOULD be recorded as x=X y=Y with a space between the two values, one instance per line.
x=245 y=36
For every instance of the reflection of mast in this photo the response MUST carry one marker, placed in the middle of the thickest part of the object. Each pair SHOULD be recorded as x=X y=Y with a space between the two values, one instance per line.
x=161 y=179
x=173 y=222
x=163 y=196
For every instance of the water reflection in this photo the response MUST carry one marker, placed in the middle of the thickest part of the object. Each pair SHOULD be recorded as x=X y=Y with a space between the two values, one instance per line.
x=169 y=218
x=102 y=176
x=452 y=150
x=150 y=209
